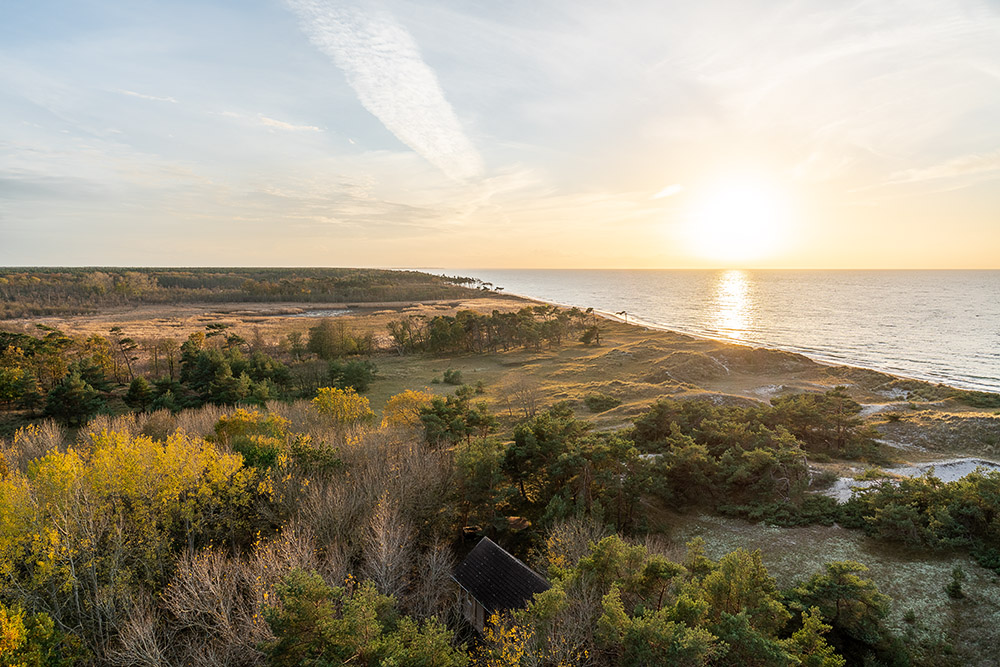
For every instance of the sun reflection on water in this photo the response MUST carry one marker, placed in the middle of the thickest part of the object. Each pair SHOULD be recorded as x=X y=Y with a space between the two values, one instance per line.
x=732 y=304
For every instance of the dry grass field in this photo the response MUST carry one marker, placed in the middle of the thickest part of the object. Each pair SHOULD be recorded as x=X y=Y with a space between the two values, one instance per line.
x=273 y=320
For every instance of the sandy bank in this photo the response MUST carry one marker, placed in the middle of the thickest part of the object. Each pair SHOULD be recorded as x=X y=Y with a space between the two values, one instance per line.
x=947 y=470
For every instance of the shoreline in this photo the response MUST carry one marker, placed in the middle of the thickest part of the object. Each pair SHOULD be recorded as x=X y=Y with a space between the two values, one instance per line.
x=276 y=311
x=830 y=363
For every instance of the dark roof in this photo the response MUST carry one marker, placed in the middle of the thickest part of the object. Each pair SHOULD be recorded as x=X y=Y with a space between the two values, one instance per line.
x=496 y=579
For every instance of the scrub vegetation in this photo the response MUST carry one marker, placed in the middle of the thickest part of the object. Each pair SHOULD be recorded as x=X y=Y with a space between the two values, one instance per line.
x=300 y=495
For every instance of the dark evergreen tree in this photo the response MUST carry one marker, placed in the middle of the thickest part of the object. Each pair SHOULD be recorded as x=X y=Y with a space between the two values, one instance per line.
x=140 y=394
x=73 y=401
x=357 y=374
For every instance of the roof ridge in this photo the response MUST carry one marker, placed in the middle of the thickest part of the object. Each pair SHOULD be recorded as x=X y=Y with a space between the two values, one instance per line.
x=521 y=562
x=496 y=578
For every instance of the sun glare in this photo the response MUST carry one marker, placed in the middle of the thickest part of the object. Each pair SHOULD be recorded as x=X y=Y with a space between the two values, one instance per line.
x=737 y=221
x=733 y=311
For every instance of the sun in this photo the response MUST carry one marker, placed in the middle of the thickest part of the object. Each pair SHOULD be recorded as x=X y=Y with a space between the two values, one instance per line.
x=737 y=220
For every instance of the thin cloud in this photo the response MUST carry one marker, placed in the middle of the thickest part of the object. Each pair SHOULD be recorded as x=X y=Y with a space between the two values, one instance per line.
x=384 y=67
x=282 y=125
x=960 y=167
x=668 y=191
x=141 y=96
x=265 y=121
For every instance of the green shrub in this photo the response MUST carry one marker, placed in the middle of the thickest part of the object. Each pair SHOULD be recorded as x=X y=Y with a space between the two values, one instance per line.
x=926 y=512
x=260 y=437
x=73 y=401
x=823 y=510
x=988 y=557
x=775 y=514
x=32 y=640
x=814 y=509
x=979 y=399
x=954 y=587
x=823 y=480
x=465 y=392
x=598 y=402
x=355 y=374
x=452 y=376
x=591 y=336
x=317 y=624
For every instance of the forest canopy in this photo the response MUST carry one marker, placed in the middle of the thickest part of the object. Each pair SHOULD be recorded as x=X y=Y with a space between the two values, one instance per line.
x=29 y=292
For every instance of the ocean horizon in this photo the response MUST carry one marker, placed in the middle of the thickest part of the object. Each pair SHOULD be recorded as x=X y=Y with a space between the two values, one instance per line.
x=941 y=326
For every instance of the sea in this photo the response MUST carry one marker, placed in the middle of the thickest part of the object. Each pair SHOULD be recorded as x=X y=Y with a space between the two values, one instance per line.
x=939 y=326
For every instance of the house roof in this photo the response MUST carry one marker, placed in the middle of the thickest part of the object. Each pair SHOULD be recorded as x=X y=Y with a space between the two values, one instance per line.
x=497 y=580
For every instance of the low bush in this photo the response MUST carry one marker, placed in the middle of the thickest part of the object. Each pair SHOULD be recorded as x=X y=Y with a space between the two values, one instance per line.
x=600 y=402
x=823 y=480
x=356 y=374
x=872 y=474
x=979 y=399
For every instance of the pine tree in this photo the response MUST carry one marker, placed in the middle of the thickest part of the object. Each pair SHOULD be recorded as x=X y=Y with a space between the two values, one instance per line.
x=140 y=394
x=73 y=400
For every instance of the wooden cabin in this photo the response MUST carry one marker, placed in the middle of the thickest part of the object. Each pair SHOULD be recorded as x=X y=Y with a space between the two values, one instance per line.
x=491 y=580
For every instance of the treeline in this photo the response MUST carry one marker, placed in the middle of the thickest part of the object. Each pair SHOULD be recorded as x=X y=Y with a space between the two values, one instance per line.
x=473 y=332
x=926 y=513
x=74 y=378
x=29 y=292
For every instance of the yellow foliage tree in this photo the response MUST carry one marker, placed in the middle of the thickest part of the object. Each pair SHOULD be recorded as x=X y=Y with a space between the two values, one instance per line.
x=343 y=406
x=403 y=409
x=31 y=640
x=12 y=631
x=85 y=528
x=262 y=438
x=505 y=642
x=244 y=423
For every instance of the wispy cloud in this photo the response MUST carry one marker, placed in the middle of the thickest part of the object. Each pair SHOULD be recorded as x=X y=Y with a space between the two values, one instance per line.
x=265 y=121
x=142 y=96
x=668 y=191
x=384 y=67
x=282 y=125
x=966 y=165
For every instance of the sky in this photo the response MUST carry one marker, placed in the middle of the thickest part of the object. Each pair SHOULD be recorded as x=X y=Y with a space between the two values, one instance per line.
x=467 y=133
